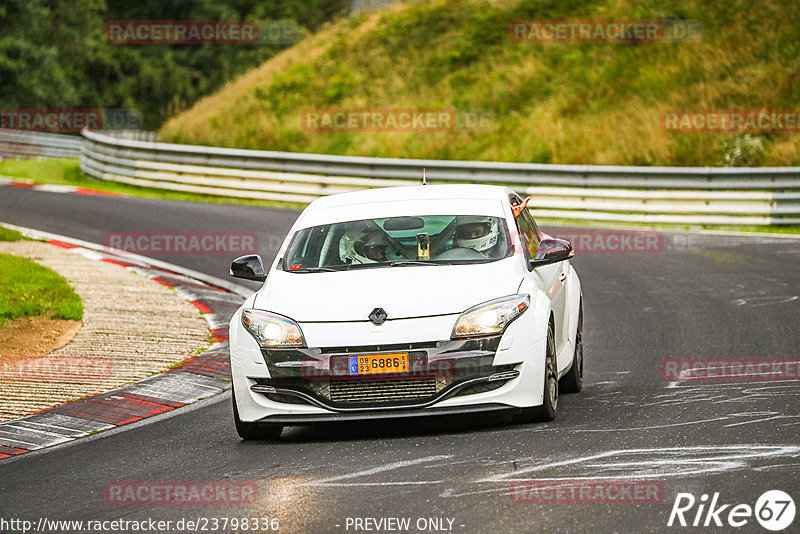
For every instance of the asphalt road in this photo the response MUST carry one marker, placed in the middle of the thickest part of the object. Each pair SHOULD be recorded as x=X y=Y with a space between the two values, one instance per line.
x=699 y=297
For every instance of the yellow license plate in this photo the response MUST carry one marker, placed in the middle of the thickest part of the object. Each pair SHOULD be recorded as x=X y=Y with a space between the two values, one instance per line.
x=367 y=364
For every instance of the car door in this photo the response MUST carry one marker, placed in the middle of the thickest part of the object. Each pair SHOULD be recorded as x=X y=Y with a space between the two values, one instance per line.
x=551 y=278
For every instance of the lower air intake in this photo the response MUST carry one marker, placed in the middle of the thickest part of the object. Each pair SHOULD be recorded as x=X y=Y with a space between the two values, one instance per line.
x=379 y=391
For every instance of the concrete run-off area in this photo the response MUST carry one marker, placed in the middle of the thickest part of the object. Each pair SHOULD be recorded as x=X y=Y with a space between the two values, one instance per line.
x=142 y=317
x=132 y=327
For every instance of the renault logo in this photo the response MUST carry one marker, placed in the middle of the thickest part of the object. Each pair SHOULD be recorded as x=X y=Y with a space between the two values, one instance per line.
x=378 y=316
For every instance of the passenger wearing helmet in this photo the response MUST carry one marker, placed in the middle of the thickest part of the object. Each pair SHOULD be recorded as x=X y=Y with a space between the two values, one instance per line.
x=361 y=245
x=477 y=233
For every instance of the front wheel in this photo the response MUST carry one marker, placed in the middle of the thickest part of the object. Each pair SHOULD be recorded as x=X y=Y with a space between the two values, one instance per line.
x=572 y=382
x=547 y=411
x=254 y=431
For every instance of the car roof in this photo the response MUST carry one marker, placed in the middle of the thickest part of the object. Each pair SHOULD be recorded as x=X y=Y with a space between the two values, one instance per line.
x=416 y=192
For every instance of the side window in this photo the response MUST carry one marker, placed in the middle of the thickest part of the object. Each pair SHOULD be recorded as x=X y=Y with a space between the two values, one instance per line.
x=304 y=250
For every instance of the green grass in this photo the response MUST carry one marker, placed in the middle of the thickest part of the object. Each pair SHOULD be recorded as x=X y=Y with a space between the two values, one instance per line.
x=68 y=172
x=29 y=290
x=43 y=171
x=582 y=103
x=11 y=235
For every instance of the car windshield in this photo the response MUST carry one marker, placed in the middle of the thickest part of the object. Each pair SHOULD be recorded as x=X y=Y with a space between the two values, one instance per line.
x=399 y=241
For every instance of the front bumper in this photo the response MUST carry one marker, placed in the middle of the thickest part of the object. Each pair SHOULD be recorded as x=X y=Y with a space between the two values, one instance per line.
x=460 y=370
x=321 y=377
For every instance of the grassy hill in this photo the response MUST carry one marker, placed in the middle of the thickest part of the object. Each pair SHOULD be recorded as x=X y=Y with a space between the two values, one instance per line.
x=594 y=103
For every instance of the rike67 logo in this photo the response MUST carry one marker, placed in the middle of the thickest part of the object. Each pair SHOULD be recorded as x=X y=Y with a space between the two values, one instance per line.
x=774 y=510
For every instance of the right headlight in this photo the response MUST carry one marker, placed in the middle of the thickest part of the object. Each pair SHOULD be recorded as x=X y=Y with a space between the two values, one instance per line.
x=491 y=317
x=272 y=330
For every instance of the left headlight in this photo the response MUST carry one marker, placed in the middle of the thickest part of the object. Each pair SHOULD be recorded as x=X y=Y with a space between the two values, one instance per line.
x=272 y=330
x=491 y=317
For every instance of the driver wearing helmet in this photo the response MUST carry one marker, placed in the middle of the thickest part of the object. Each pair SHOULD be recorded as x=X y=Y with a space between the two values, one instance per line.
x=360 y=246
x=477 y=233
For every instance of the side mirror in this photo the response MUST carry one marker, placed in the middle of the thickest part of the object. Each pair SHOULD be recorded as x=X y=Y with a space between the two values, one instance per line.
x=249 y=267
x=552 y=250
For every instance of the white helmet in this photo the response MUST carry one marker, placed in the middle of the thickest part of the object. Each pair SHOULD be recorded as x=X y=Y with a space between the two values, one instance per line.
x=477 y=233
x=363 y=246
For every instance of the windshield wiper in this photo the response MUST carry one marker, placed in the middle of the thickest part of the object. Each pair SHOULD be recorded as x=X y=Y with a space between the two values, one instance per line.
x=410 y=262
x=318 y=270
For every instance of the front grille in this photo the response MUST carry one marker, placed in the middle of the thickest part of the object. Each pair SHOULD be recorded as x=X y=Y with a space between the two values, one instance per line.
x=379 y=348
x=379 y=391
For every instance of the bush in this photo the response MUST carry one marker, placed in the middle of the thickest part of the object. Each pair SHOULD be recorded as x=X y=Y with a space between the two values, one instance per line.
x=745 y=150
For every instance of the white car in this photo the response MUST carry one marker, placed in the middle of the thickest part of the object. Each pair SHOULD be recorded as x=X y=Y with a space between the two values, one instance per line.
x=406 y=302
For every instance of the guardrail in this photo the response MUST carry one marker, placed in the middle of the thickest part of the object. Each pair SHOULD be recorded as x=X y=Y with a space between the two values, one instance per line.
x=682 y=195
x=687 y=195
x=24 y=144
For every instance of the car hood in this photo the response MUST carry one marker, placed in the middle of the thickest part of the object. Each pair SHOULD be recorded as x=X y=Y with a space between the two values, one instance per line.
x=403 y=292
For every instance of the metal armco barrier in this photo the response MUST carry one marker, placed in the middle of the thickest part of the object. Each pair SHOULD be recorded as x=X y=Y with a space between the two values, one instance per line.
x=23 y=144
x=680 y=195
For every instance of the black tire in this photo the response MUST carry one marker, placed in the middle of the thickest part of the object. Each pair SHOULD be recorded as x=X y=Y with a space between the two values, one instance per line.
x=572 y=382
x=254 y=431
x=547 y=411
